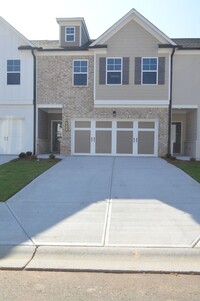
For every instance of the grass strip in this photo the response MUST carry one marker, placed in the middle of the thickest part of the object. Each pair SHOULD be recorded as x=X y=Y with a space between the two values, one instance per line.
x=18 y=173
x=191 y=168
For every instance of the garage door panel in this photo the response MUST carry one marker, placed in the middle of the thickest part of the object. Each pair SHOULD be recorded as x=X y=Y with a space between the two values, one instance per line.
x=146 y=143
x=124 y=142
x=103 y=142
x=82 y=142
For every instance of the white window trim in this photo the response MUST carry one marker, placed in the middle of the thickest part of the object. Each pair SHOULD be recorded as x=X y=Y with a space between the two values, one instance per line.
x=66 y=34
x=113 y=70
x=82 y=86
x=14 y=72
x=150 y=57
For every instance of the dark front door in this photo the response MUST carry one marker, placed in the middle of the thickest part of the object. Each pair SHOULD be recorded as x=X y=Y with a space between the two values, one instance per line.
x=177 y=143
x=56 y=135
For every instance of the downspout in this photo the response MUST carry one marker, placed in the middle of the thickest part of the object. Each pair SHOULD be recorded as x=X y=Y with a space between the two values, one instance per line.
x=34 y=101
x=170 y=104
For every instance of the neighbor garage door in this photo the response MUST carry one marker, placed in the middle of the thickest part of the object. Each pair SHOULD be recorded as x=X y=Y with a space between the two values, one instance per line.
x=115 y=137
x=11 y=135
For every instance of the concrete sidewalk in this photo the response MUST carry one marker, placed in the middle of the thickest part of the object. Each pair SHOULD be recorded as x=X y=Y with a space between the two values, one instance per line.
x=88 y=212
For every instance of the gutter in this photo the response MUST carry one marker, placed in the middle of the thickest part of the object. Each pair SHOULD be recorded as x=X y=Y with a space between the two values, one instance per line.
x=34 y=101
x=170 y=104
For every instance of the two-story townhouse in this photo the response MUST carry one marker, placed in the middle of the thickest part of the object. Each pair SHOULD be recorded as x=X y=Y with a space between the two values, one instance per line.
x=16 y=92
x=104 y=97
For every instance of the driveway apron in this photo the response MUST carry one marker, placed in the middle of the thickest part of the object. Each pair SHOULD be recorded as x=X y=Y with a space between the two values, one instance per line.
x=110 y=201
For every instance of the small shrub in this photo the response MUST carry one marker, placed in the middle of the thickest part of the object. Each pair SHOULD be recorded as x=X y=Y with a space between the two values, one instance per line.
x=28 y=154
x=192 y=159
x=52 y=156
x=173 y=158
x=168 y=156
x=22 y=155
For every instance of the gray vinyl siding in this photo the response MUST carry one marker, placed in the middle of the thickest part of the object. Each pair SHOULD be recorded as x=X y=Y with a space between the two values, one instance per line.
x=77 y=37
x=84 y=38
x=132 y=41
x=186 y=87
x=125 y=72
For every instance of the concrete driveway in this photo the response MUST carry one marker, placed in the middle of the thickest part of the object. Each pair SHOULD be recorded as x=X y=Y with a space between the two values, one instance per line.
x=105 y=202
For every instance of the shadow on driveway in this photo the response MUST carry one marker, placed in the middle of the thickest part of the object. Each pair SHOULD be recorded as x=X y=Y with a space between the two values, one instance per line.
x=105 y=201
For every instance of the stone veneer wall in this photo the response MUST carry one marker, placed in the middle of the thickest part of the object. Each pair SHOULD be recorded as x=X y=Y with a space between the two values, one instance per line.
x=54 y=86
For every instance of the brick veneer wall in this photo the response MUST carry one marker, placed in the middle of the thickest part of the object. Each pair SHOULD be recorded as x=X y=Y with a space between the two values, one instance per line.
x=54 y=86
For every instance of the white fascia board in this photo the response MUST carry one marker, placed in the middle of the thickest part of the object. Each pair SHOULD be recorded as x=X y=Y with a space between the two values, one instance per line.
x=130 y=103
x=185 y=106
x=133 y=15
x=63 y=53
x=98 y=50
x=187 y=52
x=26 y=41
x=50 y=106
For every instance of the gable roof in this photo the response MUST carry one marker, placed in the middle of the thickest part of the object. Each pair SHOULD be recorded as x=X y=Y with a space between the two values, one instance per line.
x=133 y=15
x=16 y=32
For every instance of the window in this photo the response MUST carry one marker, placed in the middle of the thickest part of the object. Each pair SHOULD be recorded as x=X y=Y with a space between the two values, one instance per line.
x=69 y=34
x=13 y=72
x=114 y=71
x=149 y=70
x=80 y=72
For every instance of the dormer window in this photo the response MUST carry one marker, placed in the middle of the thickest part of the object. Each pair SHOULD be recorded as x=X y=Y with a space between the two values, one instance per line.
x=69 y=34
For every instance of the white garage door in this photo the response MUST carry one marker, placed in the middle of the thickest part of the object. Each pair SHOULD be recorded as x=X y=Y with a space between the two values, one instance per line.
x=11 y=135
x=118 y=137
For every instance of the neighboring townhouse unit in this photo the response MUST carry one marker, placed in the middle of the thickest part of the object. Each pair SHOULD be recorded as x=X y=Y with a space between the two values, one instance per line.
x=16 y=92
x=133 y=91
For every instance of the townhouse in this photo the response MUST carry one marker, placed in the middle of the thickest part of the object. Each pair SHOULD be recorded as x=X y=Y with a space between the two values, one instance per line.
x=133 y=91
x=16 y=92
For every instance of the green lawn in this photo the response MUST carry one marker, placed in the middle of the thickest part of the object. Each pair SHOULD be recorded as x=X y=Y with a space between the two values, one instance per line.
x=191 y=168
x=18 y=173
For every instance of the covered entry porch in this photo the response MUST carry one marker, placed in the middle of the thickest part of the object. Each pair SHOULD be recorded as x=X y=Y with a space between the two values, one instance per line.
x=49 y=131
x=184 y=131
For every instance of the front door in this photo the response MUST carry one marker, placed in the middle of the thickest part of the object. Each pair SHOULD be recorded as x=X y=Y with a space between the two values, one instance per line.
x=177 y=138
x=56 y=136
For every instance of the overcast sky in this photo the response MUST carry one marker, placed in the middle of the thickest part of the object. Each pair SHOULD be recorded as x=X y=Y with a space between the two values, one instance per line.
x=37 y=19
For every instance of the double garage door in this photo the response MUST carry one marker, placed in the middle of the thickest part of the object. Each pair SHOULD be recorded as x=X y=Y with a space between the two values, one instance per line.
x=115 y=137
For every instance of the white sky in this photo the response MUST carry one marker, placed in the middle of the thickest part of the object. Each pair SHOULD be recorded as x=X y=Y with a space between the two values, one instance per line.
x=36 y=19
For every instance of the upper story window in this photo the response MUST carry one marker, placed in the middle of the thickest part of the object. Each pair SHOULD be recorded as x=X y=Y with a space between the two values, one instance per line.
x=13 y=72
x=114 y=71
x=69 y=34
x=149 y=71
x=80 y=69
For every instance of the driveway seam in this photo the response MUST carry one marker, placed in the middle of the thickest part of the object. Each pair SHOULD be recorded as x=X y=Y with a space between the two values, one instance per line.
x=18 y=222
x=196 y=241
x=108 y=209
